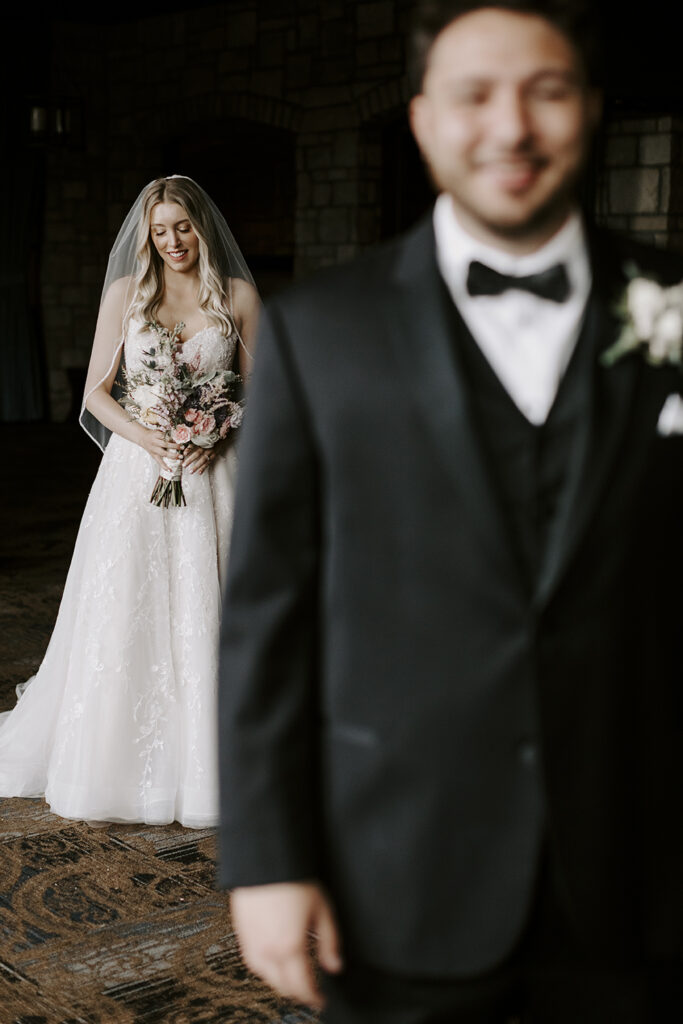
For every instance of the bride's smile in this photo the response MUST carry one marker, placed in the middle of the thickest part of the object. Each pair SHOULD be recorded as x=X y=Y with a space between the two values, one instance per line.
x=174 y=237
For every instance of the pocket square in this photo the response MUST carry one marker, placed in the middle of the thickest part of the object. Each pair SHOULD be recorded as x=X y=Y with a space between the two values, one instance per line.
x=671 y=417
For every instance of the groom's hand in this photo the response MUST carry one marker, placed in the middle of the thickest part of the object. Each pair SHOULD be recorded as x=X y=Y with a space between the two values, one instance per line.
x=283 y=929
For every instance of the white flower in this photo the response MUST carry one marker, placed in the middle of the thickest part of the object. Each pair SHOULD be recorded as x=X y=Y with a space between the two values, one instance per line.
x=652 y=319
x=674 y=295
x=645 y=300
x=666 y=343
x=146 y=396
x=161 y=359
x=236 y=417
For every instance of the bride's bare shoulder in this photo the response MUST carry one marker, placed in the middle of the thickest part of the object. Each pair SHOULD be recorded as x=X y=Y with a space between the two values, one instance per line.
x=243 y=291
x=120 y=293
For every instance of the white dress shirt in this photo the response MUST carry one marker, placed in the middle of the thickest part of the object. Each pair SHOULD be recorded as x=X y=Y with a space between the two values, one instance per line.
x=527 y=340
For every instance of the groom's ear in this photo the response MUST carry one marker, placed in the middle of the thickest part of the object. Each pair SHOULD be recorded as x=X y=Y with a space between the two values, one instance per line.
x=420 y=113
x=418 y=119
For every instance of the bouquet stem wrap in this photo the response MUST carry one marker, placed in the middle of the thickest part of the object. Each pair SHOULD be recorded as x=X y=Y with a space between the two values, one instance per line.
x=168 y=490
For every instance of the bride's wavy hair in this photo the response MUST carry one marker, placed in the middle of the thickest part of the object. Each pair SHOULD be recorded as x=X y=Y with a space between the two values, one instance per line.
x=149 y=281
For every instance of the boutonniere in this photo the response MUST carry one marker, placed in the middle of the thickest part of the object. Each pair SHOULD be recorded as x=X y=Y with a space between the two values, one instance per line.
x=652 y=320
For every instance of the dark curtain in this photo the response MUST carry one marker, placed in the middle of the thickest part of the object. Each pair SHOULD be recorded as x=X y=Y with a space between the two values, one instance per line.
x=22 y=390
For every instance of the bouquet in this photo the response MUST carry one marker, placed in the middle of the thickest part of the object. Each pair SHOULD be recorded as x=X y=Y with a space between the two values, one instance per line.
x=187 y=403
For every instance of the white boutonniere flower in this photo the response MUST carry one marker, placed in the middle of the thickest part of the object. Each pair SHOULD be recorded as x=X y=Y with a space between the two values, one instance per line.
x=652 y=318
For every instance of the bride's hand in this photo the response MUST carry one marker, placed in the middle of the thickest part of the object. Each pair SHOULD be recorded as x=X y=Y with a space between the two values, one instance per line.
x=159 y=446
x=197 y=459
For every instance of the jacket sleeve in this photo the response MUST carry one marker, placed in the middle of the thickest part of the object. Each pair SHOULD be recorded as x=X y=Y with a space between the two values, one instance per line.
x=267 y=688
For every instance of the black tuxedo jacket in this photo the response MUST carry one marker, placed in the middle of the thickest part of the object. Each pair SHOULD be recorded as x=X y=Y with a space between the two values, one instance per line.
x=401 y=714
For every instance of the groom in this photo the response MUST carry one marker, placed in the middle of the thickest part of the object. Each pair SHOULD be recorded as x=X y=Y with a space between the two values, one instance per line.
x=452 y=655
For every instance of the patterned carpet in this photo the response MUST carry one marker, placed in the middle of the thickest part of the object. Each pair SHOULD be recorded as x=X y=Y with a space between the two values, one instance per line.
x=97 y=925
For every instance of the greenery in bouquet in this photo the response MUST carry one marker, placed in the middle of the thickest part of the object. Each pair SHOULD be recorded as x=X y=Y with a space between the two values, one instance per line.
x=189 y=404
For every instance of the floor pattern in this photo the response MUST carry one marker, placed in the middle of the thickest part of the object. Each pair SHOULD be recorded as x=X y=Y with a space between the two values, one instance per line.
x=97 y=925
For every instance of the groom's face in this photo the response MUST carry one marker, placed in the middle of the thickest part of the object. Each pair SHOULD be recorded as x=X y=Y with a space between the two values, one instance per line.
x=504 y=122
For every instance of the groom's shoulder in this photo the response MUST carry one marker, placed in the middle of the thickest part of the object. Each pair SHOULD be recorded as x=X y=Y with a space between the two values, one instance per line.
x=636 y=257
x=359 y=282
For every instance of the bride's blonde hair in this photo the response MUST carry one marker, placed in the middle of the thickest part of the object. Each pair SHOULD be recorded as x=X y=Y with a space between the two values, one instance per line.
x=149 y=281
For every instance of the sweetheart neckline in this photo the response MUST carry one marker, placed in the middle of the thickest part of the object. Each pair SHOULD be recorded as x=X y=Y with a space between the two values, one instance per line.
x=196 y=334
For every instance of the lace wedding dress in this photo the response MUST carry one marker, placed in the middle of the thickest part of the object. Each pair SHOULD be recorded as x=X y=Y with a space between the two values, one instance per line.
x=119 y=723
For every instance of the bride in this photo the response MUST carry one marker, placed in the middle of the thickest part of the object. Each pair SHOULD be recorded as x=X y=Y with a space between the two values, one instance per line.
x=119 y=722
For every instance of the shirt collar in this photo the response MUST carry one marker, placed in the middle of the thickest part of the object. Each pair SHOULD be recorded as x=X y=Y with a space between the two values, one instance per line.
x=455 y=250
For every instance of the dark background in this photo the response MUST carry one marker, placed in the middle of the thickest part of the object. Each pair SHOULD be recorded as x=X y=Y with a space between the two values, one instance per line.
x=641 y=43
x=291 y=207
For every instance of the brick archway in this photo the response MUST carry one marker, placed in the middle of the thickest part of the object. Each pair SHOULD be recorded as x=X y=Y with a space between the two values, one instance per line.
x=384 y=99
x=202 y=110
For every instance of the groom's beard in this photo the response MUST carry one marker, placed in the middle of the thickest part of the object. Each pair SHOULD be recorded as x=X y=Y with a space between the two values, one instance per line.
x=506 y=207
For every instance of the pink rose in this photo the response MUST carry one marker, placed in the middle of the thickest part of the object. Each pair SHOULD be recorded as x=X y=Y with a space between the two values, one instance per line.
x=205 y=425
x=192 y=415
x=181 y=434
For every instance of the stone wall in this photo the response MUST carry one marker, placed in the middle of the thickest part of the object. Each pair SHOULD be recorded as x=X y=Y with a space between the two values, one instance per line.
x=329 y=74
x=76 y=236
x=639 y=158
x=206 y=93
x=675 y=211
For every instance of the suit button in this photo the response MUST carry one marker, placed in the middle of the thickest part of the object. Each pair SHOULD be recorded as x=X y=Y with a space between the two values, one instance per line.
x=527 y=753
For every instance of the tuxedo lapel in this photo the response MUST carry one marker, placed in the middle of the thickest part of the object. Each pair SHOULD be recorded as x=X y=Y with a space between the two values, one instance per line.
x=610 y=401
x=421 y=327
x=421 y=332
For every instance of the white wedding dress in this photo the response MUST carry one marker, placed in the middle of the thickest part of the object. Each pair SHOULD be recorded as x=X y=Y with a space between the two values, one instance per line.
x=119 y=723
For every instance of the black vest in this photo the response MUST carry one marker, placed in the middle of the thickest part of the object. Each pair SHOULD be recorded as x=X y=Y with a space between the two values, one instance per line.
x=529 y=463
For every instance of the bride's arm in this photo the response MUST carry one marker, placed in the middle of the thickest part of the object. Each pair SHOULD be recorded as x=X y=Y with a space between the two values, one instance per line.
x=246 y=309
x=247 y=306
x=104 y=364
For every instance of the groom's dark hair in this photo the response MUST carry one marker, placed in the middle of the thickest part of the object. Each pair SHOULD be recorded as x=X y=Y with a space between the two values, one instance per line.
x=577 y=20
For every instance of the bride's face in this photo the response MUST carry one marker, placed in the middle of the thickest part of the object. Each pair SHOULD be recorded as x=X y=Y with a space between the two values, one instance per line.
x=174 y=237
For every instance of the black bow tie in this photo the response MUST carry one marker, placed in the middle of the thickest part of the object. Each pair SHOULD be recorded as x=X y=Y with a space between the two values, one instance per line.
x=552 y=283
